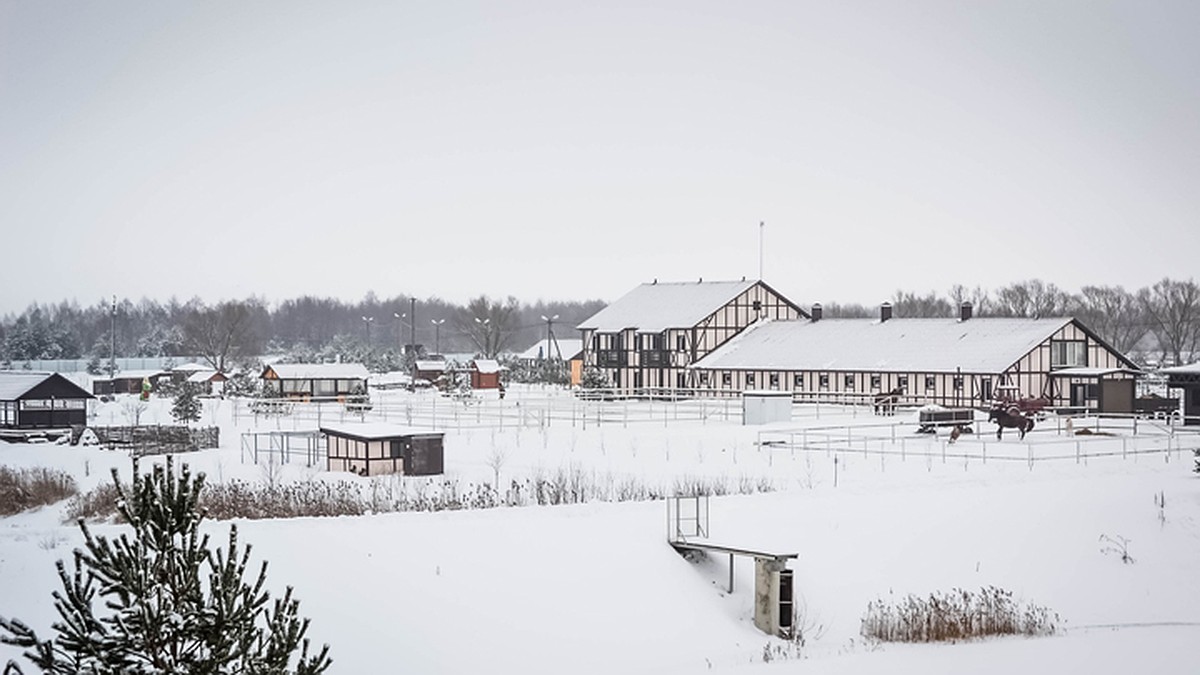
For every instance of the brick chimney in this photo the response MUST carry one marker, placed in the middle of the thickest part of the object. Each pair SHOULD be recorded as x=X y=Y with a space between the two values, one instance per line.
x=885 y=312
x=816 y=311
x=964 y=311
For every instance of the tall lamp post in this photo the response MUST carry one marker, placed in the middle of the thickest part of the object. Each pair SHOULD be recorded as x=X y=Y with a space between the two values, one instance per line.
x=437 y=334
x=550 y=334
x=487 y=334
x=399 y=323
x=367 y=321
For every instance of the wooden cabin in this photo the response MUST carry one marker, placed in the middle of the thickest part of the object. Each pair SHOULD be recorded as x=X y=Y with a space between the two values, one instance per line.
x=208 y=382
x=961 y=362
x=1186 y=378
x=429 y=370
x=378 y=449
x=485 y=374
x=34 y=400
x=648 y=339
x=128 y=382
x=315 y=380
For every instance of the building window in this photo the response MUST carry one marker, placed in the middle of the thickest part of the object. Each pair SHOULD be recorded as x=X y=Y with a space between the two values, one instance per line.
x=876 y=382
x=749 y=379
x=1068 y=353
x=757 y=305
x=727 y=379
x=704 y=379
x=774 y=380
x=848 y=381
x=930 y=383
x=902 y=381
x=798 y=381
x=681 y=343
x=958 y=383
x=823 y=380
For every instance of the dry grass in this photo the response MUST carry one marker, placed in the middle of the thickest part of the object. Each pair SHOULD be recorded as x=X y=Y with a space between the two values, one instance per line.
x=24 y=489
x=956 y=615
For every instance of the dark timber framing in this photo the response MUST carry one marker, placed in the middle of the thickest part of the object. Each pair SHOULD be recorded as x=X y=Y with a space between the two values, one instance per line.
x=41 y=401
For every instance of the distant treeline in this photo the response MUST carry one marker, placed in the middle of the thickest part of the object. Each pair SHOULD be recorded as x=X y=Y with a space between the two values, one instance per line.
x=1161 y=321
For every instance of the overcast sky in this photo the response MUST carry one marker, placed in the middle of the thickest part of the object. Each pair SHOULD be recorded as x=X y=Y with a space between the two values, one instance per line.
x=562 y=150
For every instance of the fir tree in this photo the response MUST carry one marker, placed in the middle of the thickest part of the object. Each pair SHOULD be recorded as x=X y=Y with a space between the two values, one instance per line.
x=186 y=407
x=168 y=603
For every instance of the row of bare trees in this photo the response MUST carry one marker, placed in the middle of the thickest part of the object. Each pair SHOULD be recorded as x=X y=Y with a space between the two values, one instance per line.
x=1162 y=320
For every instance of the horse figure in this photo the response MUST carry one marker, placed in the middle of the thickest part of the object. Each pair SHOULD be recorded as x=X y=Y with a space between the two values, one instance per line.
x=885 y=402
x=1011 y=418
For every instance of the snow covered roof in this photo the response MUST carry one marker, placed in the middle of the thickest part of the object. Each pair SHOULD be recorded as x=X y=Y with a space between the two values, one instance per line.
x=190 y=367
x=487 y=366
x=16 y=383
x=134 y=374
x=1084 y=371
x=544 y=349
x=430 y=364
x=202 y=376
x=319 y=371
x=1190 y=369
x=376 y=430
x=655 y=307
x=985 y=345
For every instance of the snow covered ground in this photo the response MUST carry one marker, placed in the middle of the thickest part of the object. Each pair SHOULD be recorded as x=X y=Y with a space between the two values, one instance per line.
x=594 y=588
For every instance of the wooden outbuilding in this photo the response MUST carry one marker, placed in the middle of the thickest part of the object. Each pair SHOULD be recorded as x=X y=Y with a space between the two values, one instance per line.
x=33 y=400
x=128 y=382
x=1186 y=378
x=208 y=382
x=429 y=370
x=315 y=380
x=378 y=449
x=485 y=374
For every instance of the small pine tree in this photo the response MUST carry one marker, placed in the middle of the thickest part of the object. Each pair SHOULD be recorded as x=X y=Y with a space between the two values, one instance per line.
x=170 y=604
x=186 y=407
x=593 y=378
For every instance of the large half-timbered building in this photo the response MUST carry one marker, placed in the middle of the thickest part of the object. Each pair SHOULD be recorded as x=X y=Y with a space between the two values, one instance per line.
x=646 y=340
x=954 y=362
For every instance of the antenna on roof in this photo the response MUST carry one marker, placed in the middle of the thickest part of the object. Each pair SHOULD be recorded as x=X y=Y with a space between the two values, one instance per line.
x=761 y=226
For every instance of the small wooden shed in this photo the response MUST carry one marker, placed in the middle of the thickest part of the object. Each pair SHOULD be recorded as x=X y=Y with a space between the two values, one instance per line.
x=128 y=382
x=378 y=449
x=485 y=374
x=315 y=380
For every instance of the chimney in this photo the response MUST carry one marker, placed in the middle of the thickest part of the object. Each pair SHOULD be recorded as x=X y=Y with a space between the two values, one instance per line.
x=964 y=311
x=885 y=312
x=816 y=311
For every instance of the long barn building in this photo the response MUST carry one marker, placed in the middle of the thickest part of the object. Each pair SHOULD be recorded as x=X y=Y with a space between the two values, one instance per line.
x=724 y=338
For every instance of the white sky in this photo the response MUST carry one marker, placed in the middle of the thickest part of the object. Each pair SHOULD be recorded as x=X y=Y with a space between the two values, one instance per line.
x=564 y=150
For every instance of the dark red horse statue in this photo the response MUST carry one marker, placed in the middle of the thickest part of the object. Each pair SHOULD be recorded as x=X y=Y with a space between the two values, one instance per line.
x=1010 y=417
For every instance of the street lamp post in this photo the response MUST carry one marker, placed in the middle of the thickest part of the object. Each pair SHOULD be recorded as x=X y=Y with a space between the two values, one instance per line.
x=437 y=334
x=399 y=323
x=550 y=333
x=487 y=334
x=367 y=321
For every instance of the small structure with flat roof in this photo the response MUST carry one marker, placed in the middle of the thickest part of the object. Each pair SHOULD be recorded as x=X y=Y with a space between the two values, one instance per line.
x=320 y=380
x=378 y=449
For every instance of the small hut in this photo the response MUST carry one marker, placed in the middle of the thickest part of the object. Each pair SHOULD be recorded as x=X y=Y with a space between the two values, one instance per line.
x=485 y=374
x=308 y=380
x=128 y=382
x=377 y=449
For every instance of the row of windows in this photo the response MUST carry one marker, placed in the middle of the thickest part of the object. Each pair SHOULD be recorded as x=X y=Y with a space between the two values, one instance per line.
x=849 y=381
x=644 y=342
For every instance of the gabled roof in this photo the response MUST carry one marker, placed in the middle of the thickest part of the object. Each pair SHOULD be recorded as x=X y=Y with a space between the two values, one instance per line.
x=982 y=345
x=544 y=349
x=202 y=376
x=486 y=366
x=319 y=371
x=1189 y=369
x=427 y=365
x=190 y=367
x=17 y=383
x=655 y=307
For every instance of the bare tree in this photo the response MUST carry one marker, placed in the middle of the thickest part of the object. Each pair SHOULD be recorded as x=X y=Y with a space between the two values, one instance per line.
x=489 y=324
x=1033 y=298
x=220 y=333
x=911 y=305
x=978 y=297
x=1115 y=314
x=1173 y=310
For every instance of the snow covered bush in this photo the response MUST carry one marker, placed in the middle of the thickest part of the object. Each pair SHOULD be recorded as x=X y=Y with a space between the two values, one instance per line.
x=956 y=615
x=168 y=603
x=22 y=489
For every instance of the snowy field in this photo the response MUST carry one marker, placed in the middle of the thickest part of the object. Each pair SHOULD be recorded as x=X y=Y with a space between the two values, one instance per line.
x=873 y=509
